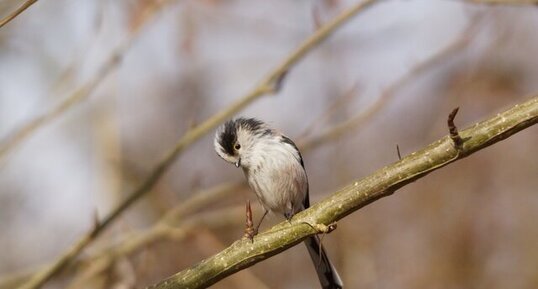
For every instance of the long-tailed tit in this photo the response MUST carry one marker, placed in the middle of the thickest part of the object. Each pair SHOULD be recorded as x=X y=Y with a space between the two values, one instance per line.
x=275 y=171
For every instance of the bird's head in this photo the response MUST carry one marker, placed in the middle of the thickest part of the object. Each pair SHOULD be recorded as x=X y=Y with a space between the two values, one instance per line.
x=235 y=140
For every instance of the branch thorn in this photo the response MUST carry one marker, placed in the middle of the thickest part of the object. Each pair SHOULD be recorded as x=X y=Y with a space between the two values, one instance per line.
x=325 y=229
x=250 y=231
x=454 y=134
x=277 y=81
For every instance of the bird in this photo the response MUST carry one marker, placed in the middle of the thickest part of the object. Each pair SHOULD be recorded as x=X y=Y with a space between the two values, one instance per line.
x=275 y=171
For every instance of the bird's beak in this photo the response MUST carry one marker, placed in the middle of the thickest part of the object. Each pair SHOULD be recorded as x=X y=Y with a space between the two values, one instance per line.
x=238 y=163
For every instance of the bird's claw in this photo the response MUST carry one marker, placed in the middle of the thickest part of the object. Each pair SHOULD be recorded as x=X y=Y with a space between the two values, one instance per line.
x=250 y=233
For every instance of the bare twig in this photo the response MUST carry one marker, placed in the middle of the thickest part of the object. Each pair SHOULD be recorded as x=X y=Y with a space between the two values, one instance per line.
x=219 y=218
x=340 y=101
x=249 y=225
x=242 y=254
x=173 y=226
x=16 y=13
x=174 y=216
x=269 y=85
x=321 y=34
x=361 y=118
x=101 y=261
x=84 y=91
x=453 y=130
x=199 y=199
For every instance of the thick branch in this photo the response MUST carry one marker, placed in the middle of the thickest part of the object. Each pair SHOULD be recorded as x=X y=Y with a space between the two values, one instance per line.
x=383 y=182
x=270 y=84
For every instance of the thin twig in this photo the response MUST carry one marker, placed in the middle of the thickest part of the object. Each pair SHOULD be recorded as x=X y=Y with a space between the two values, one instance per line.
x=16 y=13
x=242 y=254
x=339 y=101
x=174 y=217
x=249 y=225
x=361 y=118
x=453 y=130
x=269 y=85
x=81 y=93
x=314 y=142
x=100 y=263
x=172 y=225
x=200 y=199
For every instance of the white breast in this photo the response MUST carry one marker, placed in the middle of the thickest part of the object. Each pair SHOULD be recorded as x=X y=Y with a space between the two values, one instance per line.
x=277 y=177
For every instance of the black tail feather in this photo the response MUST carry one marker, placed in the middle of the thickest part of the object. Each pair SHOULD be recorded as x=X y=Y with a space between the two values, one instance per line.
x=328 y=277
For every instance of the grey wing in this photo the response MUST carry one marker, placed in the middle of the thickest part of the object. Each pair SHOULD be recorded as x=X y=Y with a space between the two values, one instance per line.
x=306 y=200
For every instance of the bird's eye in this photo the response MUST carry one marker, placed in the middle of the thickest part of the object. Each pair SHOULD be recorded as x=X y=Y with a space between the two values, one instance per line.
x=237 y=146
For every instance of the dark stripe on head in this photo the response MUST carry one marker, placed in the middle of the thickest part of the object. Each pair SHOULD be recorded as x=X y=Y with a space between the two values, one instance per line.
x=250 y=124
x=228 y=137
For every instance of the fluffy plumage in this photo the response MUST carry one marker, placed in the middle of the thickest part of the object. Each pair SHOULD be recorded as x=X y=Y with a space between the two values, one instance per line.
x=275 y=171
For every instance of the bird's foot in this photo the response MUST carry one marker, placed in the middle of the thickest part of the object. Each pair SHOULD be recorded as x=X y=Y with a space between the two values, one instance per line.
x=288 y=216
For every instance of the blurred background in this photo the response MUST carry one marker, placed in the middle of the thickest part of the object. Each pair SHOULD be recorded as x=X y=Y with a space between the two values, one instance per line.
x=388 y=77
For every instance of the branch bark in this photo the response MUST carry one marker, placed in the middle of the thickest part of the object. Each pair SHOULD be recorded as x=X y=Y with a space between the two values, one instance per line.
x=16 y=12
x=270 y=84
x=243 y=253
x=84 y=91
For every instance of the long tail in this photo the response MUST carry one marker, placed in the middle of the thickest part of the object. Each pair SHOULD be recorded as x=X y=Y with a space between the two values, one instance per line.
x=328 y=277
